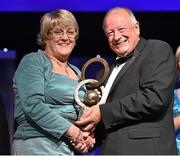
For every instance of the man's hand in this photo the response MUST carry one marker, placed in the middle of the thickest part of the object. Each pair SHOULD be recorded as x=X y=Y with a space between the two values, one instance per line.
x=90 y=118
x=87 y=144
x=81 y=141
x=89 y=140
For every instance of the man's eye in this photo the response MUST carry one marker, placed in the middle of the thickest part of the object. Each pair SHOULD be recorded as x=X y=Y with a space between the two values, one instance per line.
x=121 y=29
x=109 y=33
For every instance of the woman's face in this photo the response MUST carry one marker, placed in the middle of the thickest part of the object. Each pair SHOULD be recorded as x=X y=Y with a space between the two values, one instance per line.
x=61 y=42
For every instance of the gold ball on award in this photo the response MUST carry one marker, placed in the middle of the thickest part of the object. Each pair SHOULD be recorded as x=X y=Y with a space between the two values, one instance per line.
x=94 y=87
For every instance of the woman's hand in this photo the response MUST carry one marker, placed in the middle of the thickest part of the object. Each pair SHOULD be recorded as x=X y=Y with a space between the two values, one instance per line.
x=89 y=140
x=81 y=141
x=86 y=145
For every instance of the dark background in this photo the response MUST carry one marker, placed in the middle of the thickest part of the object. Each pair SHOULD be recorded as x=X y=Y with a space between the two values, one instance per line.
x=19 y=31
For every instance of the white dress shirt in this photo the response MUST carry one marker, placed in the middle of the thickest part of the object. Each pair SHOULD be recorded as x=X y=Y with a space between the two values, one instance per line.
x=109 y=83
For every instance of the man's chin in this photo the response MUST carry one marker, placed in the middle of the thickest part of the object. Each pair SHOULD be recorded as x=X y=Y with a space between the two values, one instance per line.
x=121 y=54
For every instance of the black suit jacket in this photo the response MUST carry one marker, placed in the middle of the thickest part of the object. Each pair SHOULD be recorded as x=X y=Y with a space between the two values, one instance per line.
x=137 y=116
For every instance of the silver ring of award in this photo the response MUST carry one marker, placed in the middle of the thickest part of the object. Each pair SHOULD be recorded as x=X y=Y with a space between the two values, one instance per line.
x=96 y=89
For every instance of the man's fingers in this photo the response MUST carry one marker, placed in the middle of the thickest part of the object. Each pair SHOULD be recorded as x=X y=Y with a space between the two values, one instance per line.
x=85 y=114
x=82 y=122
x=89 y=128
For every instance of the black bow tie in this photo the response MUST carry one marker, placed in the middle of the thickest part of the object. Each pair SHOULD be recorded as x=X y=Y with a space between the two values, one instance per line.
x=122 y=60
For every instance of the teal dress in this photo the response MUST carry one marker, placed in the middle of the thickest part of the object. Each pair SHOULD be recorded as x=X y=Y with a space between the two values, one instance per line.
x=176 y=110
x=44 y=107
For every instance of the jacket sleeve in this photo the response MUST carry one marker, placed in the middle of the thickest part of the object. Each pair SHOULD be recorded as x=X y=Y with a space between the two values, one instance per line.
x=152 y=98
x=30 y=83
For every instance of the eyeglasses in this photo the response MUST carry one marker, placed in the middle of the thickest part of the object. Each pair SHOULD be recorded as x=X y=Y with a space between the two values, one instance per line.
x=60 y=33
x=120 y=30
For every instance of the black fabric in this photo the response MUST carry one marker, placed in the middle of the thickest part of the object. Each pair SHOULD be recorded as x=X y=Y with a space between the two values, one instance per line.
x=122 y=60
x=137 y=116
x=4 y=133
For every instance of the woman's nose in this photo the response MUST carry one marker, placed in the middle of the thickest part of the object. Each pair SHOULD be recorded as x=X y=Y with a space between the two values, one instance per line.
x=64 y=36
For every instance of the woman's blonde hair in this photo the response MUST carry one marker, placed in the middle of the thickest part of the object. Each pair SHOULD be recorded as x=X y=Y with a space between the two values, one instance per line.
x=62 y=18
x=178 y=54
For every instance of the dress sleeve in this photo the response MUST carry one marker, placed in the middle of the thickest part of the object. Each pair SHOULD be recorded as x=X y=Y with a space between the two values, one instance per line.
x=30 y=83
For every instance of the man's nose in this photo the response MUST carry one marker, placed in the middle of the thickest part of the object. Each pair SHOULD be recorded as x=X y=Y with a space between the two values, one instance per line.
x=117 y=35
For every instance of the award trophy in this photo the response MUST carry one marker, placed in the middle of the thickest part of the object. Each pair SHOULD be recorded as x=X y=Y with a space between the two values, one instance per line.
x=94 y=87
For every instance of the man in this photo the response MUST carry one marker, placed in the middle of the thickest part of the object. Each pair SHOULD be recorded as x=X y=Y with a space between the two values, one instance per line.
x=137 y=109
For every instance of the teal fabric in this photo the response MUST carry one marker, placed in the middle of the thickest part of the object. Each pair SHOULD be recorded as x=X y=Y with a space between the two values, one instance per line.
x=44 y=101
x=41 y=146
x=176 y=112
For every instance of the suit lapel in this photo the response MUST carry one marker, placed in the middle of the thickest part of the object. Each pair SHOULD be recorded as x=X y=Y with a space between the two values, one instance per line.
x=110 y=71
x=122 y=72
x=136 y=52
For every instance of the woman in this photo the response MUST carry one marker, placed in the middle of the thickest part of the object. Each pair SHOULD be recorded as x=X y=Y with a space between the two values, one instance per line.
x=44 y=83
x=176 y=107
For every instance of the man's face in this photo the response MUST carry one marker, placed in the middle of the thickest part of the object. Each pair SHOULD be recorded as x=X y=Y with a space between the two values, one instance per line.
x=121 y=32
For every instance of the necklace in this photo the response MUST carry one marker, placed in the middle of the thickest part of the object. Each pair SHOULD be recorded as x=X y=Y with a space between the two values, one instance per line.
x=65 y=69
x=58 y=62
